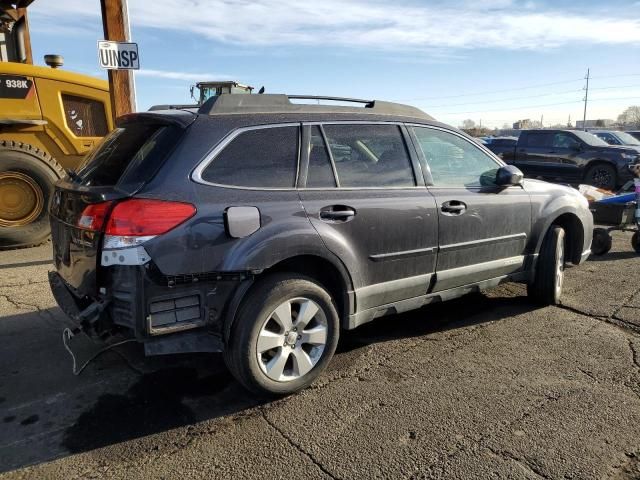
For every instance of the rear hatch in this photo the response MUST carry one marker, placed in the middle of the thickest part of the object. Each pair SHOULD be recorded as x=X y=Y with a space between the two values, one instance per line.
x=118 y=168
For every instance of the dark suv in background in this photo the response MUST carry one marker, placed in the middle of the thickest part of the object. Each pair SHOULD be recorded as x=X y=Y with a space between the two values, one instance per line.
x=613 y=137
x=572 y=156
x=261 y=228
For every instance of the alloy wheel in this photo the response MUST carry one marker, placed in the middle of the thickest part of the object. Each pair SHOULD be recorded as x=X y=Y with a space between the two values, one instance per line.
x=292 y=339
x=601 y=177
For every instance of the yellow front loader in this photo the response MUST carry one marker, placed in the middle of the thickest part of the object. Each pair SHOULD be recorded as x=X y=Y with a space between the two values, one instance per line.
x=49 y=119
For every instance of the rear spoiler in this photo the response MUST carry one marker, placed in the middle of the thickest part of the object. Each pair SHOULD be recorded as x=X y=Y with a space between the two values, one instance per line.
x=179 y=118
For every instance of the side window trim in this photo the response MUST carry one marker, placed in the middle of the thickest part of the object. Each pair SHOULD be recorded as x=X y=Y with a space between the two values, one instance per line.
x=427 y=178
x=418 y=174
x=336 y=177
x=303 y=164
x=196 y=174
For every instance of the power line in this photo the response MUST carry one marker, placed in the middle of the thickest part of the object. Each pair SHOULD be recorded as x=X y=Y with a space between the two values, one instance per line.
x=505 y=99
x=491 y=92
x=614 y=87
x=617 y=87
x=618 y=76
x=514 y=108
x=540 y=106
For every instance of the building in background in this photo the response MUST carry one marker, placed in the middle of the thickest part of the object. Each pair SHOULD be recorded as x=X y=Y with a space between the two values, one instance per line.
x=600 y=123
x=522 y=124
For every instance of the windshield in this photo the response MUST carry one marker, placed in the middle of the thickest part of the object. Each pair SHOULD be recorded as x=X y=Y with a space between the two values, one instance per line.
x=627 y=139
x=590 y=139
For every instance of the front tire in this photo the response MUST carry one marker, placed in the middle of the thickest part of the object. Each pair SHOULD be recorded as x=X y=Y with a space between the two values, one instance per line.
x=602 y=241
x=546 y=288
x=602 y=175
x=284 y=335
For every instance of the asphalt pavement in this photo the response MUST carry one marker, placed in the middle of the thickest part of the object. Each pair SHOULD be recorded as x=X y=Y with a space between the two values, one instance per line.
x=487 y=386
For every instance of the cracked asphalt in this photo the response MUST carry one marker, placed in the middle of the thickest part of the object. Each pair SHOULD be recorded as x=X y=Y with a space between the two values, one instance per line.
x=488 y=386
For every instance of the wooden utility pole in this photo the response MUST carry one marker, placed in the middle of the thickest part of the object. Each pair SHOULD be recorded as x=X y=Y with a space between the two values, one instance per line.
x=115 y=23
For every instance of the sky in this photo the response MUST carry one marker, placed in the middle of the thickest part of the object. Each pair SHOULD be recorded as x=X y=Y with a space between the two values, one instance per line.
x=492 y=61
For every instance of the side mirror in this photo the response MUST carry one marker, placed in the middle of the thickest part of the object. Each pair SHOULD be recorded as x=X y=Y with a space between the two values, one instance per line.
x=509 y=175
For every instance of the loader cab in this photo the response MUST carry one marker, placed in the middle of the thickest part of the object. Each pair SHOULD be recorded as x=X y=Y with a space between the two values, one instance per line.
x=213 y=89
x=14 y=36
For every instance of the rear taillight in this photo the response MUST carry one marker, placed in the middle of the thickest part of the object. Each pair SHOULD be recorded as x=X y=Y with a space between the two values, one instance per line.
x=141 y=217
x=135 y=221
x=93 y=216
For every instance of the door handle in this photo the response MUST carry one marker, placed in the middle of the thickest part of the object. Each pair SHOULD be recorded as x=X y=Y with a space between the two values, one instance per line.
x=453 y=207
x=337 y=213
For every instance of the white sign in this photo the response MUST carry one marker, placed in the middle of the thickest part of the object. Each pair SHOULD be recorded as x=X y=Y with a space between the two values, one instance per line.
x=118 y=55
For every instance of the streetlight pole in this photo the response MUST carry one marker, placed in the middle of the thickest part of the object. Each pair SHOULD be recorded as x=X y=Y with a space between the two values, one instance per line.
x=586 y=99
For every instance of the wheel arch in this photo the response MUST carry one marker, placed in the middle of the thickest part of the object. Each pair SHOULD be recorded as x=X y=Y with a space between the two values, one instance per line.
x=574 y=234
x=330 y=273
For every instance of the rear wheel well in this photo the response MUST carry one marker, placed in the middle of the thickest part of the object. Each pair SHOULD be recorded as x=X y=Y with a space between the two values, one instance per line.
x=322 y=271
x=574 y=235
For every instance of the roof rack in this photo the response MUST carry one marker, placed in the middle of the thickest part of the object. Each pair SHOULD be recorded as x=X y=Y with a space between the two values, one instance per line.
x=368 y=103
x=280 y=103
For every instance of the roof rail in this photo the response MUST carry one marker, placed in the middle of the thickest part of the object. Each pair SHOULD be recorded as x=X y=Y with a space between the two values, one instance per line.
x=229 y=103
x=333 y=99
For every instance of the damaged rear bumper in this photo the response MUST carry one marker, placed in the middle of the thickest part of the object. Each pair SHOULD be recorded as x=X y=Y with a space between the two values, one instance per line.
x=177 y=314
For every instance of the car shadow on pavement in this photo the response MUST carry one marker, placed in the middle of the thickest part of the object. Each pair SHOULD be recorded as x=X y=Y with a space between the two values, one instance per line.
x=472 y=309
x=123 y=396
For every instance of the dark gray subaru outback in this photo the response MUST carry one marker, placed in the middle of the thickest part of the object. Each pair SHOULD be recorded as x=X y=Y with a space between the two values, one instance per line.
x=262 y=227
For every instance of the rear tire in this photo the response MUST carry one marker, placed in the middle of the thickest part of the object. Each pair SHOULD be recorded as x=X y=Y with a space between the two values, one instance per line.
x=602 y=241
x=284 y=335
x=602 y=175
x=546 y=288
x=27 y=176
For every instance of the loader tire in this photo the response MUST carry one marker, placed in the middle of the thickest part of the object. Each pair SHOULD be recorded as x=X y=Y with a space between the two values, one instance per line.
x=27 y=176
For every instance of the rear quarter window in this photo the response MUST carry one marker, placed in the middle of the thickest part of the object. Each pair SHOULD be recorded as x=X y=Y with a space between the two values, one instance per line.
x=257 y=158
x=128 y=156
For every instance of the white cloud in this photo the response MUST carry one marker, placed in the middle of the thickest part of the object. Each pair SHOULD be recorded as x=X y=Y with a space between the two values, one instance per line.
x=367 y=24
x=186 y=76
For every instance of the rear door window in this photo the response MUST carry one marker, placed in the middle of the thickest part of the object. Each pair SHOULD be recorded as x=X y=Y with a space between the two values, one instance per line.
x=128 y=156
x=373 y=156
x=539 y=140
x=257 y=158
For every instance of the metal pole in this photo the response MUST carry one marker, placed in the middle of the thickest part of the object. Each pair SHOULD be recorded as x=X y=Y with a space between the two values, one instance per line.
x=115 y=23
x=586 y=99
